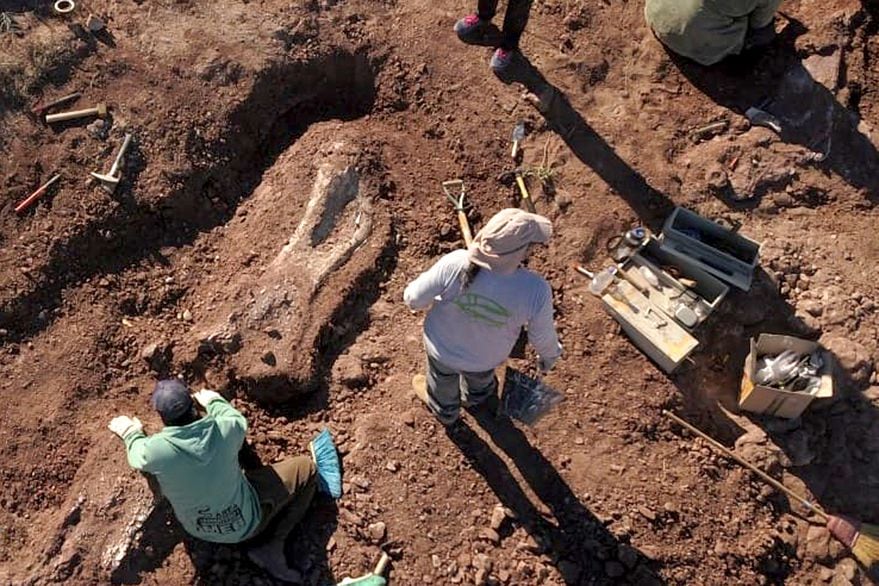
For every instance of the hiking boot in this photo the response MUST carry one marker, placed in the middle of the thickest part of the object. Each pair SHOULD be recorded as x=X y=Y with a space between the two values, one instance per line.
x=270 y=557
x=502 y=60
x=419 y=388
x=474 y=31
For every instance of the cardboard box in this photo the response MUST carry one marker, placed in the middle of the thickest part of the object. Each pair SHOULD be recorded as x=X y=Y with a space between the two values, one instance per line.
x=788 y=404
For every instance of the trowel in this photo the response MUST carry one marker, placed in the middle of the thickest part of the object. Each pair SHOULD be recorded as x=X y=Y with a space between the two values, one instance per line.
x=518 y=135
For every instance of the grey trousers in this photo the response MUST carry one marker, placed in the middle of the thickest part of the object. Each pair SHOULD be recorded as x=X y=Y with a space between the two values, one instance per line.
x=447 y=389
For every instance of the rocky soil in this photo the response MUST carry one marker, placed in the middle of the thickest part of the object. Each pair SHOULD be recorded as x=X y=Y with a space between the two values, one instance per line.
x=282 y=189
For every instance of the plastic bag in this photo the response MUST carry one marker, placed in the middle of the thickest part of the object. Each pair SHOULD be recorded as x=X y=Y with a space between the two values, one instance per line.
x=771 y=370
x=527 y=399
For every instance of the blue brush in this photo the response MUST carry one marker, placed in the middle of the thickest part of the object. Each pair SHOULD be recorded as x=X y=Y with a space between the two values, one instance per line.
x=326 y=459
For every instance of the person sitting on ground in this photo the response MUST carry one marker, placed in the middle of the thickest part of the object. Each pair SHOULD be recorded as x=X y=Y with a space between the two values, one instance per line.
x=707 y=31
x=195 y=461
x=479 y=300
x=477 y=29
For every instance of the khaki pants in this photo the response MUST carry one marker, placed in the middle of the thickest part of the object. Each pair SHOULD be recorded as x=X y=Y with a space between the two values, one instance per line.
x=285 y=490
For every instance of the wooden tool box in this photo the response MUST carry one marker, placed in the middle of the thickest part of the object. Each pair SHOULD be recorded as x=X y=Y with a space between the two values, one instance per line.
x=694 y=260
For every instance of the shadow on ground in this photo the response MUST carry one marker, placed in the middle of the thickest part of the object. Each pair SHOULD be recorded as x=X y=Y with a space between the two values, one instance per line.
x=781 y=82
x=832 y=450
x=578 y=543
x=650 y=205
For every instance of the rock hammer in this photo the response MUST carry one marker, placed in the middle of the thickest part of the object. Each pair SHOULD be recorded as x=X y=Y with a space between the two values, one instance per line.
x=100 y=111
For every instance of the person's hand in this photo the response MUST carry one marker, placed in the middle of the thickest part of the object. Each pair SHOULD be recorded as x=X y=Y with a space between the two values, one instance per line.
x=123 y=425
x=544 y=365
x=206 y=396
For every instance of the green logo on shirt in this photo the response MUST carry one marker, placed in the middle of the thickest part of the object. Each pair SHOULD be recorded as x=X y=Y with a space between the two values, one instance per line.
x=483 y=309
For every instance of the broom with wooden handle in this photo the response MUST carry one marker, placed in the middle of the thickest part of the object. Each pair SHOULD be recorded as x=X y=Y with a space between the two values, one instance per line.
x=861 y=538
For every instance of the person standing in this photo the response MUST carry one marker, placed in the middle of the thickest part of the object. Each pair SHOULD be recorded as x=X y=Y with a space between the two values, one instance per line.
x=195 y=461
x=477 y=29
x=478 y=299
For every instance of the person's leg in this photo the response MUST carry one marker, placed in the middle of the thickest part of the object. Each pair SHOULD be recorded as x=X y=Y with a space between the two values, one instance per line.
x=515 y=20
x=443 y=392
x=486 y=9
x=478 y=387
x=299 y=478
x=285 y=490
x=761 y=25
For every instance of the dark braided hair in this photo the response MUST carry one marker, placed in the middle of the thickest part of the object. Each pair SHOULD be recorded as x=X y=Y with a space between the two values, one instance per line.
x=468 y=275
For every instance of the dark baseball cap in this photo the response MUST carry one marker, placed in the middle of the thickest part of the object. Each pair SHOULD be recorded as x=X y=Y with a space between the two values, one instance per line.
x=171 y=399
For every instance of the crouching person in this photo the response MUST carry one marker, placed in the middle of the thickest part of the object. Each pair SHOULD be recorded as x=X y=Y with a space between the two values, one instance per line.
x=706 y=31
x=195 y=461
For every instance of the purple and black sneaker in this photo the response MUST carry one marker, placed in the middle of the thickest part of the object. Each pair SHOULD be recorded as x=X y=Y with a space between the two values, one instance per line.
x=475 y=31
x=502 y=59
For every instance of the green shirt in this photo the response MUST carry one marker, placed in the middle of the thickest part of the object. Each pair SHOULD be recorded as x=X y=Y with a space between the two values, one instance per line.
x=706 y=31
x=197 y=468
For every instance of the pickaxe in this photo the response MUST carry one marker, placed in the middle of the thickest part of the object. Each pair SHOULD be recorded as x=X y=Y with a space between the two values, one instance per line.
x=111 y=179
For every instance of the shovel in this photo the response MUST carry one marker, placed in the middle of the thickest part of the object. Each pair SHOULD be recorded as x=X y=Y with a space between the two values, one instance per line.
x=449 y=187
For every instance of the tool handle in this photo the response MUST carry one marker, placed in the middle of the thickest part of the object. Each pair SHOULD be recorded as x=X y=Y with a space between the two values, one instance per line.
x=635 y=280
x=58 y=102
x=381 y=565
x=121 y=154
x=26 y=202
x=71 y=115
x=529 y=203
x=773 y=482
x=584 y=271
x=465 y=227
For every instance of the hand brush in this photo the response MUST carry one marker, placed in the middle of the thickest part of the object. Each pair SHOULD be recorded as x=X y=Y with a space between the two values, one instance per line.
x=326 y=459
x=862 y=539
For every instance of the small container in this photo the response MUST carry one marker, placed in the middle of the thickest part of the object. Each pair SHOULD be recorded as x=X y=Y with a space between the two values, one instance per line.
x=602 y=280
x=628 y=243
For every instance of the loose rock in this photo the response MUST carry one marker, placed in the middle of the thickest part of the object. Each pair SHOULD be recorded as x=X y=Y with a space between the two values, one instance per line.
x=377 y=531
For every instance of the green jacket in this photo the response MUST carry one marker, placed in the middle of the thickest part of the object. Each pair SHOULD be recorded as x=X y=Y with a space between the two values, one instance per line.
x=197 y=467
x=706 y=31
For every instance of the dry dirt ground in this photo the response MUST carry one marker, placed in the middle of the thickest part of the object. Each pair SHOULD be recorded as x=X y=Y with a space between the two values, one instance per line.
x=282 y=189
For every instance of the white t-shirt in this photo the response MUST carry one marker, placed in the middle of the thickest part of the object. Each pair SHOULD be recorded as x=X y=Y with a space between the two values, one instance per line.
x=476 y=330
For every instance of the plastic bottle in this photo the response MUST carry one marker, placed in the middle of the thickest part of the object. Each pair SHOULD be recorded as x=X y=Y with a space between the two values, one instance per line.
x=602 y=280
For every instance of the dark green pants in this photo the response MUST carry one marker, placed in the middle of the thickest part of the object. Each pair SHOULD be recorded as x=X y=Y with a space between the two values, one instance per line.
x=285 y=490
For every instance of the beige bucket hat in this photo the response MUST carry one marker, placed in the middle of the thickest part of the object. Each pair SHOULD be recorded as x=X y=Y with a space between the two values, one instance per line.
x=502 y=244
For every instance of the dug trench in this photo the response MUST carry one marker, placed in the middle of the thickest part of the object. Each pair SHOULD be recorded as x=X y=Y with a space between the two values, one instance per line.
x=284 y=101
x=291 y=214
